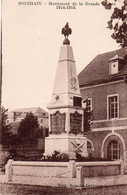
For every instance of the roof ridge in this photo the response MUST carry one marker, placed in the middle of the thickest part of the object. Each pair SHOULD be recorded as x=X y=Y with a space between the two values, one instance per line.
x=98 y=68
x=112 y=51
x=31 y=108
x=100 y=55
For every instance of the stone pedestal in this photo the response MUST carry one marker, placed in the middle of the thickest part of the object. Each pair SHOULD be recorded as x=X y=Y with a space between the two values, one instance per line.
x=70 y=144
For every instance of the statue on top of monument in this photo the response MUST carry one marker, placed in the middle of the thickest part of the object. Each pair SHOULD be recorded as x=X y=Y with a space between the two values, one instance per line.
x=66 y=31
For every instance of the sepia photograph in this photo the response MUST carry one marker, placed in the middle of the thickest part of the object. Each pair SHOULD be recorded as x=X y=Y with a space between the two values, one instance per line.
x=63 y=97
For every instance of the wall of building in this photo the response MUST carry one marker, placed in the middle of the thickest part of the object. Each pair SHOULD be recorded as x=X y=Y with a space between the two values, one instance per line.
x=101 y=139
x=99 y=98
x=97 y=140
x=43 y=122
x=104 y=129
x=110 y=124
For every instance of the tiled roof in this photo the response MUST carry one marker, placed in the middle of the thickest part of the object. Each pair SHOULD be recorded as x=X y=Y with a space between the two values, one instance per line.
x=98 y=68
x=34 y=110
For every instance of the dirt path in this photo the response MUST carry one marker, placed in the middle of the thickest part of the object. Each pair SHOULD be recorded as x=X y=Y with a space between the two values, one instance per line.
x=15 y=189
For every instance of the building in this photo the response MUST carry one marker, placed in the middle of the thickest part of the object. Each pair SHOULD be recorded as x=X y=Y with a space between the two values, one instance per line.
x=103 y=82
x=19 y=114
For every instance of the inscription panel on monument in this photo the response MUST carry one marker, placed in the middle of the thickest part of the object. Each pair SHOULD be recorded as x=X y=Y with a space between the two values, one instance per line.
x=75 y=123
x=57 y=123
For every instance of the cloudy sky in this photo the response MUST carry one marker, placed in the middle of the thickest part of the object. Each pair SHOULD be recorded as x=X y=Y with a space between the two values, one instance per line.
x=31 y=44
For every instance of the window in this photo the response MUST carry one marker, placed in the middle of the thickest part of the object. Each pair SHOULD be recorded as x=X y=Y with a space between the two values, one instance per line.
x=41 y=120
x=87 y=103
x=113 y=67
x=114 y=150
x=113 y=110
x=77 y=101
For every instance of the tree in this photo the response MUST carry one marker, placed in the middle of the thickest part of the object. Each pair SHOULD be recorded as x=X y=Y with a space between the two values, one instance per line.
x=41 y=132
x=118 y=21
x=28 y=126
x=7 y=137
x=5 y=128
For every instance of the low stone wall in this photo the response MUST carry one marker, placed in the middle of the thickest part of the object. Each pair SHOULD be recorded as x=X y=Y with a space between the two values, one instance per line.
x=43 y=169
x=62 y=174
x=95 y=169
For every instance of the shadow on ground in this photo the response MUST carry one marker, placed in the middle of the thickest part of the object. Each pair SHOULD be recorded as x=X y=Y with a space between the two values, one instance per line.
x=16 y=189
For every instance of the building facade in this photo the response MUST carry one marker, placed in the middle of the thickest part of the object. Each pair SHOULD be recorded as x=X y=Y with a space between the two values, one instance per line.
x=19 y=114
x=103 y=83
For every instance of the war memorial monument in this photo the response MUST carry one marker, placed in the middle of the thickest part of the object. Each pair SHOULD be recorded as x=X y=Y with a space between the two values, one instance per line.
x=67 y=136
x=65 y=108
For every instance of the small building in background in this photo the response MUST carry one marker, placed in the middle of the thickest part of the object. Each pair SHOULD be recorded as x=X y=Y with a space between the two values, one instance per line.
x=18 y=114
x=34 y=149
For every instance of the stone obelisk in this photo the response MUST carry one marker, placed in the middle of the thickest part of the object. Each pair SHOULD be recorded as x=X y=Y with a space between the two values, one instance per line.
x=65 y=108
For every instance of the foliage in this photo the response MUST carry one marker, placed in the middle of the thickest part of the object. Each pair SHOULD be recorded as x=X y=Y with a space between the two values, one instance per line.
x=4 y=117
x=80 y=158
x=41 y=132
x=28 y=126
x=22 y=132
x=8 y=138
x=118 y=21
x=57 y=156
x=14 y=126
x=5 y=128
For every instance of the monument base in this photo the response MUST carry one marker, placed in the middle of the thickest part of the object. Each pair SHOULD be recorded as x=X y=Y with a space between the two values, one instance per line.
x=70 y=144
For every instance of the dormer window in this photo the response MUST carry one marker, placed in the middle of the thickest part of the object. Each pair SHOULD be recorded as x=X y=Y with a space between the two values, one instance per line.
x=115 y=64
x=113 y=67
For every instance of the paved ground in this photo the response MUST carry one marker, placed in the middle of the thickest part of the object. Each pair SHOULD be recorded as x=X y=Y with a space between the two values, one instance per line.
x=15 y=189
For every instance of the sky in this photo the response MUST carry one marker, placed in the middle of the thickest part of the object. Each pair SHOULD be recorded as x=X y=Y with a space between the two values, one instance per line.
x=31 y=41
